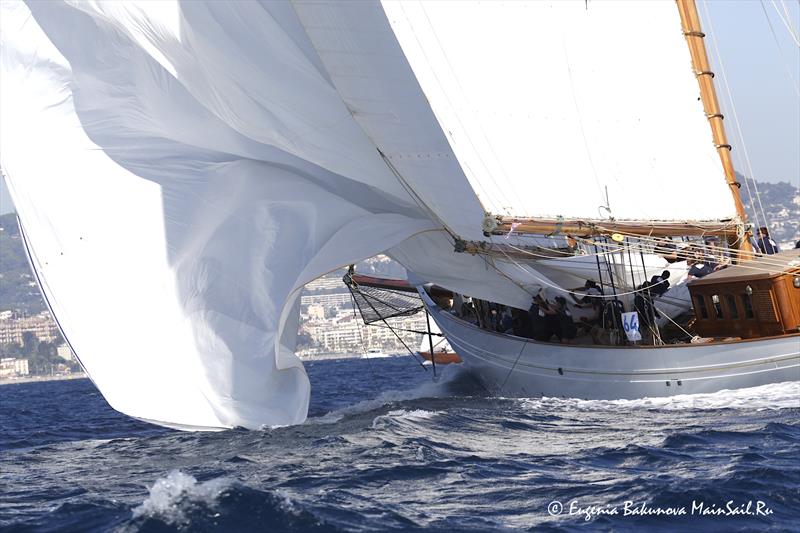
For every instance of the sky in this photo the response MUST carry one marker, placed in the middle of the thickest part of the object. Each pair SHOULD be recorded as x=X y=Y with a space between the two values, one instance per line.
x=763 y=77
x=762 y=71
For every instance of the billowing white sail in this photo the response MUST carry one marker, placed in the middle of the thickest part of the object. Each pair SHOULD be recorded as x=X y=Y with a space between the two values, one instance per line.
x=549 y=106
x=171 y=220
x=181 y=169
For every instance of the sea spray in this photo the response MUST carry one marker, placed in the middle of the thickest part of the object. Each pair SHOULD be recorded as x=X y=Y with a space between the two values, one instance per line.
x=171 y=495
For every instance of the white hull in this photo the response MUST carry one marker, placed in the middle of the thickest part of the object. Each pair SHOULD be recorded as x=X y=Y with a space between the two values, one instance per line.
x=375 y=355
x=513 y=366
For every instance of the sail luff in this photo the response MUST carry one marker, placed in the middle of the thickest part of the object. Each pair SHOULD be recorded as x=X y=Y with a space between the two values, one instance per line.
x=690 y=22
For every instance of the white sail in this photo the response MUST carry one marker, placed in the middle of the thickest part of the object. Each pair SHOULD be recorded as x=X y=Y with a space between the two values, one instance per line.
x=549 y=105
x=170 y=220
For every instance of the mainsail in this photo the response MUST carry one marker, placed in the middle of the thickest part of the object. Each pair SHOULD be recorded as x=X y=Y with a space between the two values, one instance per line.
x=182 y=169
x=559 y=108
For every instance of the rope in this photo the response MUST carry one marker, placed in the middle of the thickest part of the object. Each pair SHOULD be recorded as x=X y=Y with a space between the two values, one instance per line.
x=686 y=253
x=510 y=370
x=678 y=325
x=553 y=286
x=567 y=291
x=780 y=50
x=788 y=17
x=414 y=196
x=368 y=301
x=786 y=22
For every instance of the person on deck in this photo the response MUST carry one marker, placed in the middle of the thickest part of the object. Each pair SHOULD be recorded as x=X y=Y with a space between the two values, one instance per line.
x=541 y=322
x=592 y=295
x=506 y=322
x=521 y=323
x=565 y=328
x=698 y=269
x=719 y=254
x=666 y=249
x=659 y=284
x=765 y=243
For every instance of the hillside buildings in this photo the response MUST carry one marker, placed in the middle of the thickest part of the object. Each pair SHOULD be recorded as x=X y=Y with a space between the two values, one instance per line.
x=11 y=367
x=13 y=326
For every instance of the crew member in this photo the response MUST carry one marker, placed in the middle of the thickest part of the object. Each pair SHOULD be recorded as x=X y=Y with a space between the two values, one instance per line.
x=765 y=243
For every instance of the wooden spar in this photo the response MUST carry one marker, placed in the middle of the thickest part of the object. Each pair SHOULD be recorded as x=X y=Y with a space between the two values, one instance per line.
x=589 y=227
x=690 y=22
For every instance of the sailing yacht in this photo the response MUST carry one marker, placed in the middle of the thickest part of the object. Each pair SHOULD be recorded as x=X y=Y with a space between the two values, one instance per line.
x=182 y=169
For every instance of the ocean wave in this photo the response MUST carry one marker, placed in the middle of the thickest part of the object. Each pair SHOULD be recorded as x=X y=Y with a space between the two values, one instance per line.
x=178 y=500
x=449 y=380
x=774 y=396
x=441 y=456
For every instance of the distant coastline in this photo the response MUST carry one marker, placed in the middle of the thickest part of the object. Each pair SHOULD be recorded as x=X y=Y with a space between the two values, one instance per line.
x=328 y=356
x=29 y=379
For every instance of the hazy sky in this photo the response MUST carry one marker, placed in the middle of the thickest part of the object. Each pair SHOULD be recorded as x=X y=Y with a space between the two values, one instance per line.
x=763 y=77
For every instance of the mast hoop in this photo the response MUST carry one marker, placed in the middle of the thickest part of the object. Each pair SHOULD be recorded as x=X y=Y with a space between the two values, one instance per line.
x=694 y=34
x=699 y=73
x=728 y=146
x=720 y=116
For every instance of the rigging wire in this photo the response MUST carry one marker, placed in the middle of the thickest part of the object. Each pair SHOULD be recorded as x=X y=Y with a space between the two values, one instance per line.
x=688 y=253
x=780 y=50
x=670 y=319
x=414 y=196
x=692 y=249
x=786 y=11
x=410 y=351
x=786 y=21
x=549 y=284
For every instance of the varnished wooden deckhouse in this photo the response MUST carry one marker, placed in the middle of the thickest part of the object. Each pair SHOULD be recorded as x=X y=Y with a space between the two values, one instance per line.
x=757 y=298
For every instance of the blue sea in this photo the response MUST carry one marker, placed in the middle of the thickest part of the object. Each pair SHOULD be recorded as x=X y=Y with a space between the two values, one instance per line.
x=387 y=448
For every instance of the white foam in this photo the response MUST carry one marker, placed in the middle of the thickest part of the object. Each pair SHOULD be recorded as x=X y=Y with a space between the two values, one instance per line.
x=429 y=389
x=773 y=396
x=400 y=415
x=286 y=503
x=169 y=495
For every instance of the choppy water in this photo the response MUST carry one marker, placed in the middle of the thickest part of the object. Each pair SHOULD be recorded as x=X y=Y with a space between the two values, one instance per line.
x=441 y=456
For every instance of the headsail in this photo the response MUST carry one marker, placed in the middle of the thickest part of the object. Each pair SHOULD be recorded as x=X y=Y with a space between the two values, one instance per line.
x=174 y=212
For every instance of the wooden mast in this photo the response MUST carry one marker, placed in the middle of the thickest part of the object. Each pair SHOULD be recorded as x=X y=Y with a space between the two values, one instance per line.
x=690 y=22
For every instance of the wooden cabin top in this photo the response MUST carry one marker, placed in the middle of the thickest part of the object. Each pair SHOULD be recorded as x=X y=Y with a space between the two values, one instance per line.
x=757 y=298
x=763 y=267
